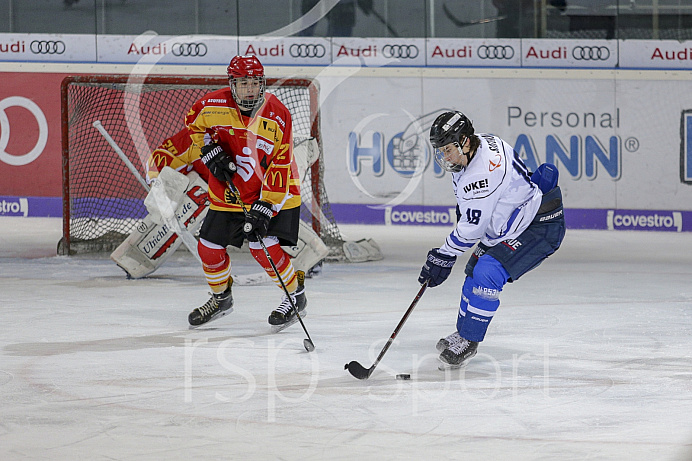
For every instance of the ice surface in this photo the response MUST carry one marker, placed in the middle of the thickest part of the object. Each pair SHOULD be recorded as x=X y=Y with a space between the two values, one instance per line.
x=589 y=357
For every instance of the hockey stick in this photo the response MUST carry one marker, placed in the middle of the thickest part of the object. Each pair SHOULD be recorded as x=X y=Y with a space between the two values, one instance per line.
x=187 y=238
x=358 y=370
x=97 y=124
x=459 y=23
x=307 y=342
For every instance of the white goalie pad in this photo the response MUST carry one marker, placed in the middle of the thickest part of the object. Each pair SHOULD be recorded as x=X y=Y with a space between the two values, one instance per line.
x=309 y=251
x=362 y=250
x=153 y=241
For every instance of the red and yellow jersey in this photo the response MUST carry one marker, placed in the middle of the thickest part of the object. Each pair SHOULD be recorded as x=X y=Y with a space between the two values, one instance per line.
x=261 y=147
x=175 y=153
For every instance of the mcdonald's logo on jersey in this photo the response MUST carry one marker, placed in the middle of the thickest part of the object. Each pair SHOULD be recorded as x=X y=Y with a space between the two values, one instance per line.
x=159 y=159
x=278 y=178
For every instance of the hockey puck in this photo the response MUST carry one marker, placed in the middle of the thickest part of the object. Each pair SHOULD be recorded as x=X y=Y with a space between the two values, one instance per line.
x=403 y=376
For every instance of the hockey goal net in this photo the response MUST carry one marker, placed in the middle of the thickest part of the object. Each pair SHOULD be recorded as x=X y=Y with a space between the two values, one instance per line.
x=102 y=198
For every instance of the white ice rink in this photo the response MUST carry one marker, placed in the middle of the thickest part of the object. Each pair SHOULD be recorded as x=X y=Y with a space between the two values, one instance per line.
x=589 y=358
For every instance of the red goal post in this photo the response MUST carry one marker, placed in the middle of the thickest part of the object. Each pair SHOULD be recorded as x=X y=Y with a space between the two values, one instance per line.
x=103 y=201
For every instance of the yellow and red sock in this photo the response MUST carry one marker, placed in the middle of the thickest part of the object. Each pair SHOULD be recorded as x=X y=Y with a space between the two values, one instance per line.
x=281 y=260
x=216 y=264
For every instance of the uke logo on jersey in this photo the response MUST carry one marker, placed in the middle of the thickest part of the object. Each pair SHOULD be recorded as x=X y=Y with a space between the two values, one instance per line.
x=477 y=187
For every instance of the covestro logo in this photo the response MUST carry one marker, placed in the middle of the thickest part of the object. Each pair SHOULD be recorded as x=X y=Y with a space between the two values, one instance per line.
x=644 y=220
x=414 y=216
x=19 y=207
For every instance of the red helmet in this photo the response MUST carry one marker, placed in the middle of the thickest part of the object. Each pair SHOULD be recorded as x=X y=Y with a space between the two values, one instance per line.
x=245 y=66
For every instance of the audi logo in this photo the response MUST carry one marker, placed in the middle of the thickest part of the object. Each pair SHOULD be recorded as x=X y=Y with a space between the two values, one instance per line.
x=400 y=51
x=307 y=50
x=189 y=49
x=495 y=52
x=47 y=47
x=590 y=53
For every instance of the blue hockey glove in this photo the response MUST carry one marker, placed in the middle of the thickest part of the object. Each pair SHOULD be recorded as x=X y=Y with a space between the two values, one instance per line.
x=545 y=177
x=257 y=220
x=219 y=162
x=436 y=268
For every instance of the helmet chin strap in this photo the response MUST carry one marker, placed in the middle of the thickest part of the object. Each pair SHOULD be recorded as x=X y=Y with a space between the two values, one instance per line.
x=469 y=155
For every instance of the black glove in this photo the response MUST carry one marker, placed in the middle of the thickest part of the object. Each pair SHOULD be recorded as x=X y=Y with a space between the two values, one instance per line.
x=219 y=162
x=257 y=220
x=437 y=268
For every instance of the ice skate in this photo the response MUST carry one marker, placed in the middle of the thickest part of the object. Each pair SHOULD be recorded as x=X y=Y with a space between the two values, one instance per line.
x=284 y=316
x=458 y=355
x=218 y=305
x=444 y=343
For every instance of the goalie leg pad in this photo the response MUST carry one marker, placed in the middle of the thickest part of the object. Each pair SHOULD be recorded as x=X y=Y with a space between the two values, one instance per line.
x=362 y=251
x=309 y=251
x=153 y=242
x=147 y=247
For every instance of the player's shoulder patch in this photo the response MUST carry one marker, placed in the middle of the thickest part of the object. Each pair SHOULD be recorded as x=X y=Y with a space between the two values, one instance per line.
x=219 y=97
x=275 y=110
x=494 y=159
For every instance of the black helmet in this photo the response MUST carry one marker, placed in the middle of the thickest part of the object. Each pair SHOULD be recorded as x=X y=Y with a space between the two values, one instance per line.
x=450 y=127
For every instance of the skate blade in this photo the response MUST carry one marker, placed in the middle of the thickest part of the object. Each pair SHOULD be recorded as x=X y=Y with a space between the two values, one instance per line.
x=444 y=366
x=283 y=326
x=213 y=317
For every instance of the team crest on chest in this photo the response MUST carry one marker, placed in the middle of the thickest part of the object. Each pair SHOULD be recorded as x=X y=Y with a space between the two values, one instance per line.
x=229 y=197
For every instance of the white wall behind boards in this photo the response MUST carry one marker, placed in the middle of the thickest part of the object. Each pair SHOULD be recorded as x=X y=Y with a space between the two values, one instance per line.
x=618 y=137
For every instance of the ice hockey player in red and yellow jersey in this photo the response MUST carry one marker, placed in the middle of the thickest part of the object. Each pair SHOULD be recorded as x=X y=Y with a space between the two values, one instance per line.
x=244 y=137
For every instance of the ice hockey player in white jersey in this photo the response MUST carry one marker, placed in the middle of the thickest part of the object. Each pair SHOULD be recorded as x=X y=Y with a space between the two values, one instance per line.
x=515 y=216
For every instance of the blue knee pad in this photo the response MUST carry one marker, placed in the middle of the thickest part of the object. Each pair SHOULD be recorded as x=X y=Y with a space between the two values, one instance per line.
x=464 y=304
x=482 y=293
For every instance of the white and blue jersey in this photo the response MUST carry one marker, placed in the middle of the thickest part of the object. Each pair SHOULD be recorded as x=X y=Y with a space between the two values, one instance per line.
x=496 y=198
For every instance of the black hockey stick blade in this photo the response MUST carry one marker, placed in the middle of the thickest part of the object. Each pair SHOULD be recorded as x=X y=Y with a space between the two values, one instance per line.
x=309 y=346
x=358 y=370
